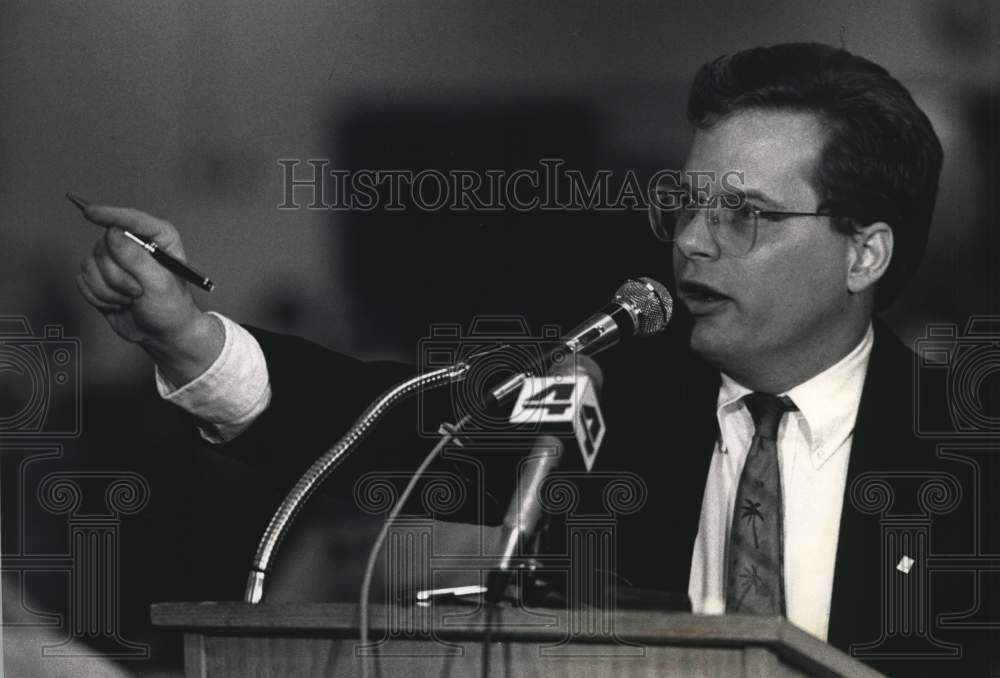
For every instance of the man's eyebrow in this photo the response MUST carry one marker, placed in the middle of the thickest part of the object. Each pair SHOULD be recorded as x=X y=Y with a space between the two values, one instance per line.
x=748 y=194
x=760 y=196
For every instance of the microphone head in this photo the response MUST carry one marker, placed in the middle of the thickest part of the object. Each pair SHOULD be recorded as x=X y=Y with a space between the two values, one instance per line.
x=651 y=303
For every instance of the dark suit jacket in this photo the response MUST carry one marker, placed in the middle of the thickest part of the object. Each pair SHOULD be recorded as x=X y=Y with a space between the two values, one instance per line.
x=902 y=497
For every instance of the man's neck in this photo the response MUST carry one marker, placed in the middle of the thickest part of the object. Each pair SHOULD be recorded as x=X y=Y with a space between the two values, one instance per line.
x=781 y=373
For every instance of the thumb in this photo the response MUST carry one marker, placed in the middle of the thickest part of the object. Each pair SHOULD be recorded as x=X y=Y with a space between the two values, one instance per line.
x=160 y=231
x=130 y=256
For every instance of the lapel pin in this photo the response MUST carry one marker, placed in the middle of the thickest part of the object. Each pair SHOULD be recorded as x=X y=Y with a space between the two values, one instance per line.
x=905 y=564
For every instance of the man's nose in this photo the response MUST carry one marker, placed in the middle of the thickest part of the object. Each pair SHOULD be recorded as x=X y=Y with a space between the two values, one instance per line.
x=695 y=239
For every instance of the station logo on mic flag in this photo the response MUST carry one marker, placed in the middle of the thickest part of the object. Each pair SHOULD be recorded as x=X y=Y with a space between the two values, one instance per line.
x=559 y=405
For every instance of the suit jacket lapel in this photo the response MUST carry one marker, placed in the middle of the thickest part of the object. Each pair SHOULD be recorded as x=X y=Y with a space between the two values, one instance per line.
x=881 y=440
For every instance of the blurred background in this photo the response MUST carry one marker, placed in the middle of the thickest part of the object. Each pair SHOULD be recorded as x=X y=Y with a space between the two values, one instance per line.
x=184 y=109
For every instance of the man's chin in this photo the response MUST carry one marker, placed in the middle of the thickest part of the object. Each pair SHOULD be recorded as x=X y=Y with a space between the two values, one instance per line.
x=715 y=342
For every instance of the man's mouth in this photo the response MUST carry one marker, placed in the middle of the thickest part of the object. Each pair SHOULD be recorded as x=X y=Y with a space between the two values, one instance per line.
x=698 y=293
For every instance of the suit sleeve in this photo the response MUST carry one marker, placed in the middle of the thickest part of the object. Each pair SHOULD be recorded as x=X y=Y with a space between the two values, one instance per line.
x=316 y=394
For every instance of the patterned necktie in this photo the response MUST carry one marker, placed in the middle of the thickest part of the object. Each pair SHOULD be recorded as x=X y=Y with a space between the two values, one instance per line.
x=754 y=578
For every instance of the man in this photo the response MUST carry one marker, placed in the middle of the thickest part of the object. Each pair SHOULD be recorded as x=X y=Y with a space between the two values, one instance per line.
x=757 y=455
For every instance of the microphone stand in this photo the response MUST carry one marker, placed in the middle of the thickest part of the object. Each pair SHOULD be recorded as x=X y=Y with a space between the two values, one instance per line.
x=322 y=467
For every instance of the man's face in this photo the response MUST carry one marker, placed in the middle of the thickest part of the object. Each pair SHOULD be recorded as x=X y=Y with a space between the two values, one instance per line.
x=788 y=294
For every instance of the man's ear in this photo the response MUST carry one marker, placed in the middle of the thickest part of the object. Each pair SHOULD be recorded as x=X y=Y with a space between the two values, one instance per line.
x=868 y=255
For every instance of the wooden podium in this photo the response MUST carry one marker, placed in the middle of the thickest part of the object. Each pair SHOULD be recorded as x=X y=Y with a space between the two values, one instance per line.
x=239 y=640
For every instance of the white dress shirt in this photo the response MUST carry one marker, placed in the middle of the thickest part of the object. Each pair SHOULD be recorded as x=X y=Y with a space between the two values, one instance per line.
x=231 y=393
x=813 y=450
x=814 y=445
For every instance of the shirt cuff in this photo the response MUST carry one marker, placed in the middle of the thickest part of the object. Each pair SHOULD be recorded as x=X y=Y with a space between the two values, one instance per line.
x=229 y=396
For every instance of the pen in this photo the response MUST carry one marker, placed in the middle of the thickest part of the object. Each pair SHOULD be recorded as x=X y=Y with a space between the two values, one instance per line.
x=168 y=261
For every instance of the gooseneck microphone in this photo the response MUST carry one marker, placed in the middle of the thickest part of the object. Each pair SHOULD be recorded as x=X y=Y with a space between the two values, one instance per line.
x=641 y=307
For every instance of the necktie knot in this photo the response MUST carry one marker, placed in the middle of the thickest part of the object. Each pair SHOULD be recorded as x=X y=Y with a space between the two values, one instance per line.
x=767 y=410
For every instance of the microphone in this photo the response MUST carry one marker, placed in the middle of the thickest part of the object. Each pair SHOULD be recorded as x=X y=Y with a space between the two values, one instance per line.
x=641 y=307
x=524 y=511
x=565 y=404
x=575 y=410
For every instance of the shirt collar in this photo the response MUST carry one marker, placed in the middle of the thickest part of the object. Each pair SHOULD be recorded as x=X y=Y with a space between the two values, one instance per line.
x=827 y=402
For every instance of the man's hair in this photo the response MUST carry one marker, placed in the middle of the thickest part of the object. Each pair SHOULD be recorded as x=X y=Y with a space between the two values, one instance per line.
x=881 y=158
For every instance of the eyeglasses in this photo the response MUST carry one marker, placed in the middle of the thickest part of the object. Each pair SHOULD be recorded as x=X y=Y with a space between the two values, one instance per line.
x=734 y=228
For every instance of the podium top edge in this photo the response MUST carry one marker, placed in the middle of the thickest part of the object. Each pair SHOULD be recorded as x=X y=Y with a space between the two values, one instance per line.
x=511 y=624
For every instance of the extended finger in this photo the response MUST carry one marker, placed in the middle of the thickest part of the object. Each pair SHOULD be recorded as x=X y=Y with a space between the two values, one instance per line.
x=94 y=278
x=140 y=223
